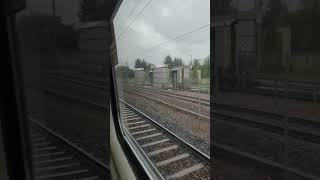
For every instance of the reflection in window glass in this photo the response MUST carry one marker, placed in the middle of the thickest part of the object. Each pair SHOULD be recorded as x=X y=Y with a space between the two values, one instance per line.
x=163 y=80
x=267 y=95
x=64 y=52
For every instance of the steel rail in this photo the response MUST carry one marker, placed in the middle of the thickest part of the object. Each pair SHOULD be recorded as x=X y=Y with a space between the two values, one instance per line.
x=272 y=131
x=97 y=162
x=78 y=82
x=188 y=145
x=203 y=102
x=182 y=95
x=146 y=162
x=75 y=77
x=74 y=98
x=170 y=105
x=261 y=112
x=294 y=132
x=264 y=161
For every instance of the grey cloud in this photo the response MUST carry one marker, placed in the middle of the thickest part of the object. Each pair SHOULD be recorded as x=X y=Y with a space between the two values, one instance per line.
x=161 y=21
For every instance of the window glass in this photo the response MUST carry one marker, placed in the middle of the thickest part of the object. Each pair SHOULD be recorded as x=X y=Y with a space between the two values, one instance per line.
x=163 y=81
x=63 y=47
x=267 y=93
x=3 y=166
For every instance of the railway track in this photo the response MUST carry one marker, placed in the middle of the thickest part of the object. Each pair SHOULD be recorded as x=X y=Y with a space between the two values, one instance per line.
x=82 y=82
x=173 y=157
x=274 y=169
x=301 y=132
x=90 y=82
x=201 y=101
x=271 y=126
x=272 y=122
x=187 y=151
x=55 y=158
x=202 y=116
x=99 y=85
x=296 y=90
x=303 y=129
x=267 y=124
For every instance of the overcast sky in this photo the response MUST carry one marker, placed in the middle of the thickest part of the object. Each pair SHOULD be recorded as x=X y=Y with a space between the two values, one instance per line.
x=161 y=21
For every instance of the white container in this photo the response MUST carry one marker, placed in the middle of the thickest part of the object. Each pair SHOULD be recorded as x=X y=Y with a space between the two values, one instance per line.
x=160 y=76
x=181 y=77
x=139 y=76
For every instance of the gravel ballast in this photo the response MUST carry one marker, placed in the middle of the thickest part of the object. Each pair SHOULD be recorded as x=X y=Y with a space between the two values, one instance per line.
x=188 y=127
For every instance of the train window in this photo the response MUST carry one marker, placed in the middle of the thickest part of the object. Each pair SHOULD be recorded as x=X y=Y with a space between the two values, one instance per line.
x=63 y=49
x=163 y=84
x=267 y=96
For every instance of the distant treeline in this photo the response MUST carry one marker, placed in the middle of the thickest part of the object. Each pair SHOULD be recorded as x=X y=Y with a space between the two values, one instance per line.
x=196 y=64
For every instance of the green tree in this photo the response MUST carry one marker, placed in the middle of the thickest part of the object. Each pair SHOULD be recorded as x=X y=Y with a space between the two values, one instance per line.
x=138 y=63
x=177 y=62
x=142 y=64
x=196 y=64
x=148 y=67
x=168 y=61
x=124 y=72
x=205 y=68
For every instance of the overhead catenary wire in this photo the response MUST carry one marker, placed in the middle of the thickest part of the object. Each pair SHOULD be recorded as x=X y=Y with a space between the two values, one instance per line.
x=167 y=51
x=179 y=37
x=133 y=9
x=127 y=28
x=176 y=50
x=130 y=15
